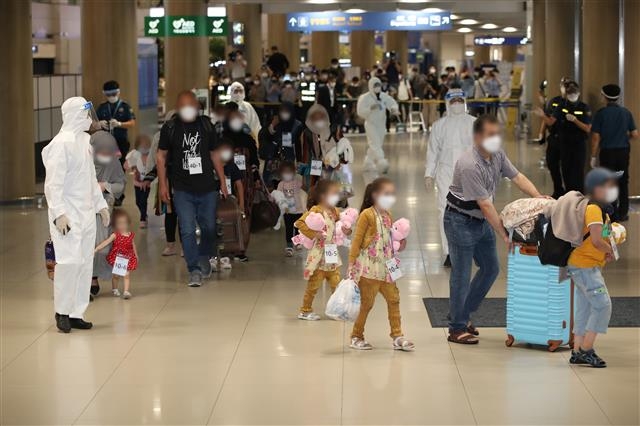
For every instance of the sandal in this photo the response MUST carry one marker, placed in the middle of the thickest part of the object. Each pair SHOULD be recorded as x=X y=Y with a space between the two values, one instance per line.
x=402 y=344
x=360 y=344
x=472 y=330
x=462 y=337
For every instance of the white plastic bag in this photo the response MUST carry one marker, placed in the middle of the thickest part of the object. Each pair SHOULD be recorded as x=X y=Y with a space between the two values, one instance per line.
x=344 y=303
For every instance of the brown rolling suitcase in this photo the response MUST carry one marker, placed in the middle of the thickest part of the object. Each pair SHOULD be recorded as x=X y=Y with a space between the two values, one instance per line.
x=233 y=233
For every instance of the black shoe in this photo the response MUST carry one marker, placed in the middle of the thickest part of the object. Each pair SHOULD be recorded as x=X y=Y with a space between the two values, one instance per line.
x=80 y=324
x=62 y=322
x=95 y=289
x=591 y=358
x=447 y=262
x=241 y=258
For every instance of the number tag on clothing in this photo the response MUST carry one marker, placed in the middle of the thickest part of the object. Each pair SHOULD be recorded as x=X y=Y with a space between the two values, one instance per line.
x=331 y=254
x=287 y=141
x=120 y=266
x=240 y=161
x=614 y=247
x=228 y=182
x=316 y=168
x=393 y=266
x=195 y=165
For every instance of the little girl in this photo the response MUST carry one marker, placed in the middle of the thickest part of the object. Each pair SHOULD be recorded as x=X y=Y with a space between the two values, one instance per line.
x=321 y=266
x=123 y=247
x=292 y=190
x=371 y=249
x=136 y=163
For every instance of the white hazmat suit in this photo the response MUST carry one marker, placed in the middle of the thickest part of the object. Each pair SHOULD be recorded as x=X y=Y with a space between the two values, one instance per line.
x=450 y=136
x=372 y=107
x=251 y=119
x=74 y=197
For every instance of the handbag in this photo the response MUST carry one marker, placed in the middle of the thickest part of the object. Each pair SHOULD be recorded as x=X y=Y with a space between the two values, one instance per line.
x=264 y=212
x=49 y=258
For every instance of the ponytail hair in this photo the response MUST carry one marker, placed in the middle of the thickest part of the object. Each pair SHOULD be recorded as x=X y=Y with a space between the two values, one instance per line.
x=318 y=191
x=372 y=188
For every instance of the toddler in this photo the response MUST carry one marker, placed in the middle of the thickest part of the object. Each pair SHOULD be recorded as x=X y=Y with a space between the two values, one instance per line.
x=136 y=163
x=291 y=187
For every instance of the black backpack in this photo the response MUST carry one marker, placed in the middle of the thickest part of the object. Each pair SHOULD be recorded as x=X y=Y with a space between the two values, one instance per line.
x=551 y=249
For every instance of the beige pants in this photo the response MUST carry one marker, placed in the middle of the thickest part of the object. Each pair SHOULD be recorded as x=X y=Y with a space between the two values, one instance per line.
x=369 y=289
x=314 y=283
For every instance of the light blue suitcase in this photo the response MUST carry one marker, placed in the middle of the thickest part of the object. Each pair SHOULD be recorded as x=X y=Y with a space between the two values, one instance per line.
x=539 y=308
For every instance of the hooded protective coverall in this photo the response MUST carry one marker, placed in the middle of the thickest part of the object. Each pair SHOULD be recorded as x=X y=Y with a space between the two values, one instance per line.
x=450 y=136
x=72 y=191
x=372 y=108
x=251 y=118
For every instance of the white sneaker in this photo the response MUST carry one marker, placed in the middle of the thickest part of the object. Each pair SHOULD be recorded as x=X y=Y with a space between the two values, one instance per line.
x=169 y=250
x=126 y=295
x=115 y=292
x=308 y=316
x=214 y=264
x=225 y=263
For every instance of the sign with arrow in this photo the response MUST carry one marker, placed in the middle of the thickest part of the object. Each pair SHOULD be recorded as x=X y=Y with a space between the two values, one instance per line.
x=380 y=21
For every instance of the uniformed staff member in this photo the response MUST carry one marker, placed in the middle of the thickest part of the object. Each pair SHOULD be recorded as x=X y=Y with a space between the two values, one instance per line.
x=573 y=120
x=552 y=140
x=613 y=127
x=116 y=116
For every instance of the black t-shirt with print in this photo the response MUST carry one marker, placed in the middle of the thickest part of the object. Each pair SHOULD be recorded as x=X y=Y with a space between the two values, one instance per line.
x=190 y=145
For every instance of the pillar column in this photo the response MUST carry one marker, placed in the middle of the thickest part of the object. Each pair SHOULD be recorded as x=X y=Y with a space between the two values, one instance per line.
x=362 y=49
x=481 y=55
x=560 y=28
x=398 y=41
x=631 y=87
x=509 y=53
x=17 y=164
x=538 y=59
x=250 y=16
x=288 y=42
x=109 y=49
x=324 y=47
x=451 y=50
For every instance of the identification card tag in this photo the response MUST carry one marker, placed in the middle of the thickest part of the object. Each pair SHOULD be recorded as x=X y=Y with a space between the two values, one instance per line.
x=316 y=168
x=195 y=165
x=393 y=267
x=331 y=254
x=228 y=182
x=240 y=161
x=287 y=141
x=120 y=266
x=614 y=247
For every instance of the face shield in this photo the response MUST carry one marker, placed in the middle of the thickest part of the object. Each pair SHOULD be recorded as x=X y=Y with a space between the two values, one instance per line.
x=455 y=102
x=93 y=117
x=112 y=95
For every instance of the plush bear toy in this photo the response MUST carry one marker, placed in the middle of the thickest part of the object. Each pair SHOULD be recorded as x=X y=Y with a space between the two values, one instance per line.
x=347 y=219
x=315 y=222
x=399 y=231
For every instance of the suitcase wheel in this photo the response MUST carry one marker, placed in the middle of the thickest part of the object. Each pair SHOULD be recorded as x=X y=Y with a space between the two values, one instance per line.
x=553 y=345
x=509 y=340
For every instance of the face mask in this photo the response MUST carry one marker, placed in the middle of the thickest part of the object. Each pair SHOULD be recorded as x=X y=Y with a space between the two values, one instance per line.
x=457 y=108
x=288 y=177
x=103 y=159
x=331 y=85
x=256 y=82
x=573 y=97
x=333 y=199
x=563 y=90
x=143 y=151
x=492 y=144
x=385 y=202
x=226 y=155
x=319 y=124
x=285 y=116
x=188 y=113
x=377 y=89
x=112 y=99
x=611 y=194
x=264 y=75
x=235 y=124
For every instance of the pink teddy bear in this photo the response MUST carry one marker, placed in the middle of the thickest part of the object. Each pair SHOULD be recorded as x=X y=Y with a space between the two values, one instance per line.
x=399 y=231
x=315 y=222
x=347 y=219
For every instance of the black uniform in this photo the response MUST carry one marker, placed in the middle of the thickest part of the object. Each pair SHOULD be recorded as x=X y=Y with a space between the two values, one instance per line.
x=573 y=143
x=122 y=112
x=553 y=149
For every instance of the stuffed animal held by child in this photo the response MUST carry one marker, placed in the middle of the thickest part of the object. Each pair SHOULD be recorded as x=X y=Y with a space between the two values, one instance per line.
x=399 y=231
x=347 y=219
x=315 y=222
x=281 y=201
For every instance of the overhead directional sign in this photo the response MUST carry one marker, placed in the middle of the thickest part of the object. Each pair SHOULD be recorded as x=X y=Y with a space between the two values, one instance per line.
x=381 y=21
x=500 y=41
x=194 y=26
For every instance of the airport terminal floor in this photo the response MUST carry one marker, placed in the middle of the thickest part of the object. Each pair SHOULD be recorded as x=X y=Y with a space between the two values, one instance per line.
x=233 y=352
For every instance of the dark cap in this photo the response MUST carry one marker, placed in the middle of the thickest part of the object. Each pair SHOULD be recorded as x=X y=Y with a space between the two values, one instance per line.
x=599 y=176
x=571 y=86
x=611 y=91
x=110 y=86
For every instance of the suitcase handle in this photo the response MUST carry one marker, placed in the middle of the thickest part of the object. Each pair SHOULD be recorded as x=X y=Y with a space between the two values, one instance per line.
x=527 y=250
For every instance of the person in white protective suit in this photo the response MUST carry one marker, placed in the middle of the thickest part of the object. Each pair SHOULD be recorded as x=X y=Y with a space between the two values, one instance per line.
x=372 y=107
x=450 y=136
x=251 y=119
x=74 y=198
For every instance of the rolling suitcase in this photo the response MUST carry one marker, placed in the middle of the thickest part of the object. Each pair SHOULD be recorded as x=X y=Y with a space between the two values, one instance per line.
x=539 y=306
x=232 y=228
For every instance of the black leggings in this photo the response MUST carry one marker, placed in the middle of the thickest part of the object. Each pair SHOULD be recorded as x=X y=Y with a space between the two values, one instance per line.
x=141 y=201
x=170 y=226
x=290 y=230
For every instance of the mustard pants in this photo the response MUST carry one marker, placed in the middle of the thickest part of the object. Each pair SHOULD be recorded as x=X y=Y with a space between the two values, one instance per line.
x=314 y=283
x=369 y=289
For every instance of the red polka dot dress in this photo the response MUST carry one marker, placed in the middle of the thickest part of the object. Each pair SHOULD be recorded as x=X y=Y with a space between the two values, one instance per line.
x=123 y=246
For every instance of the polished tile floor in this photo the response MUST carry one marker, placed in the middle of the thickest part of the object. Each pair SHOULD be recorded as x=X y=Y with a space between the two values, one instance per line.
x=232 y=351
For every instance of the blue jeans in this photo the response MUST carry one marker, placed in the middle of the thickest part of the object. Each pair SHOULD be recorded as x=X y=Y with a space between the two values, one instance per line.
x=193 y=208
x=469 y=239
x=592 y=301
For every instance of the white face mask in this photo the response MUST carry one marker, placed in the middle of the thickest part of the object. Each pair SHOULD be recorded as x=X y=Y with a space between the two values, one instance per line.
x=287 y=177
x=611 y=194
x=143 y=151
x=333 y=199
x=112 y=99
x=385 y=202
x=457 y=108
x=573 y=97
x=285 y=116
x=492 y=144
x=188 y=113
x=319 y=124
x=235 y=124
x=225 y=155
x=103 y=159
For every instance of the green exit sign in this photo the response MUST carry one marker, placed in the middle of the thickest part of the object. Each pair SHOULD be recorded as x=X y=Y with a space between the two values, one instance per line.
x=189 y=26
